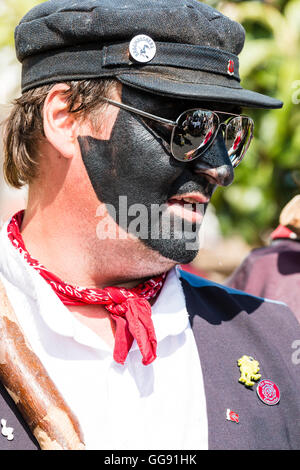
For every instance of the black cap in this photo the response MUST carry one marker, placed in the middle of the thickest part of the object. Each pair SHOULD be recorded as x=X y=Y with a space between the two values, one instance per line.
x=178 y=48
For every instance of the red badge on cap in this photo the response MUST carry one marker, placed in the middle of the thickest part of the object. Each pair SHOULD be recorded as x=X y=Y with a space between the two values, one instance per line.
x=268 y=392
x=230 y=67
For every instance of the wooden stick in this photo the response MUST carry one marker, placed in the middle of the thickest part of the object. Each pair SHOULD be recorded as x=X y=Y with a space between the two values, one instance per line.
x=26 y=380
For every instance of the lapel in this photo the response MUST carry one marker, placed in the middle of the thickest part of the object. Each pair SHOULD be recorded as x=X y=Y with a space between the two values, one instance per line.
x=228 y=324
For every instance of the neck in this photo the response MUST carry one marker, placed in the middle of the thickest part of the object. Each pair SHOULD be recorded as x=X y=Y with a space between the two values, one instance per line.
x=64 y=239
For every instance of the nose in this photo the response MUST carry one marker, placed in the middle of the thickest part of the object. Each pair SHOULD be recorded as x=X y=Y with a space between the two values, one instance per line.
x=215 y=163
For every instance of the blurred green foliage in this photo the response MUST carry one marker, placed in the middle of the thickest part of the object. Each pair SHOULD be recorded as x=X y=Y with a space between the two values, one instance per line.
x=11 y=11
x=269 y=176
x=270 y=63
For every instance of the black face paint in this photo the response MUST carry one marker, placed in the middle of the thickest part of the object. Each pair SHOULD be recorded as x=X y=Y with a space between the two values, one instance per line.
x=135 y=163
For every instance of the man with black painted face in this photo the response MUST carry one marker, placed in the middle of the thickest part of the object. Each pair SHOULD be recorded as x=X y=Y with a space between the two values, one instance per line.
x=141 y=150
x=123 y=131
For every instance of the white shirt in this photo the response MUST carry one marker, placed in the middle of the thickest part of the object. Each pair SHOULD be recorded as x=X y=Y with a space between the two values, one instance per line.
x=131 y=406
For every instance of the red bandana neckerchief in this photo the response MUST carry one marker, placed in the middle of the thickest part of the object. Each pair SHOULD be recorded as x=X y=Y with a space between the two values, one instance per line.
x=128 y=307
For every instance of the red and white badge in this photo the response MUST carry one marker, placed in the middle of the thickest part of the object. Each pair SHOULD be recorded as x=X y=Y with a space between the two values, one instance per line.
x=268 y=392
x=232 y=416
x=230 y=67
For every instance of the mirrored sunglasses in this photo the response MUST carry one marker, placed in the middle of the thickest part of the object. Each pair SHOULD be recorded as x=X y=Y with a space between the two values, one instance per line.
x=195 y=130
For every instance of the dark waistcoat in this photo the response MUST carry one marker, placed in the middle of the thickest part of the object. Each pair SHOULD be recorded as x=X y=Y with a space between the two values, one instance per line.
x=227 y=324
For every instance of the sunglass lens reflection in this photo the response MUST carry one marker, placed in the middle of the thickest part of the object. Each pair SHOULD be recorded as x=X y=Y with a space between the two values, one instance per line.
x=193 y=133
x=238 y=137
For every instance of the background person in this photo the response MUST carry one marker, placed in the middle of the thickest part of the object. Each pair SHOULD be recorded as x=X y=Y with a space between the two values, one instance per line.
x=273 y=271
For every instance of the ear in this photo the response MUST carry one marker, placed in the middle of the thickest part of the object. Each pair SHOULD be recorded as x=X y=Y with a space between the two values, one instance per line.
x=60 y=126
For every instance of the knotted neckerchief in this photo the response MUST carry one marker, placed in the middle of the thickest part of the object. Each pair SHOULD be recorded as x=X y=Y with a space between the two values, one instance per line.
x=128 y=307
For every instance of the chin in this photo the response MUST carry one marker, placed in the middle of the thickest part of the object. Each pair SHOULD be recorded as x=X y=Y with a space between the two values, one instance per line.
x=178 y=251
x=177 y=242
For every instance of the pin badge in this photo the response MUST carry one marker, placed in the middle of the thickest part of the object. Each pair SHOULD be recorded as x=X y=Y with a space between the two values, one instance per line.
x=249 y=368
x=232 y=416
x=230 y=67
x=268 y=392
x=6 y=431
x=142 y=48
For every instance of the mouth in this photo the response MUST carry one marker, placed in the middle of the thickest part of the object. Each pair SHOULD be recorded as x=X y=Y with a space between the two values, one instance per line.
x=189 y=206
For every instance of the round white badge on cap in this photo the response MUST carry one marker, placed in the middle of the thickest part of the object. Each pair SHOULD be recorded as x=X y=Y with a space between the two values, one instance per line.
x=142 y=48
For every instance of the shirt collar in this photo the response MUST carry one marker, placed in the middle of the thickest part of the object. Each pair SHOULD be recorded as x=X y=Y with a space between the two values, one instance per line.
x=169 y=312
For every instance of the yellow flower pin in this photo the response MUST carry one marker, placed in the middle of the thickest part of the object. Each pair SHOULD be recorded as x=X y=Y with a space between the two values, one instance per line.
x=249 y=368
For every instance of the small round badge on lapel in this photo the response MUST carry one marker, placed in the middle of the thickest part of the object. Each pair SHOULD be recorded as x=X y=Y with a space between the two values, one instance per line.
x=232 y=416
x=268 y=392
x=142 y=48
